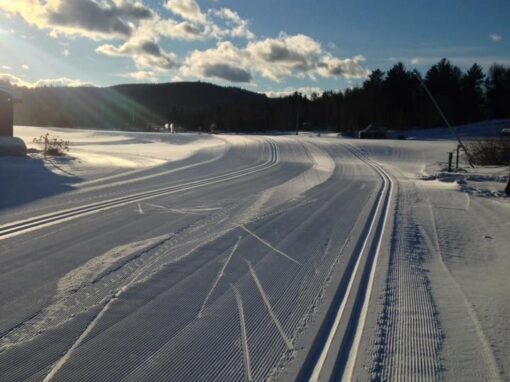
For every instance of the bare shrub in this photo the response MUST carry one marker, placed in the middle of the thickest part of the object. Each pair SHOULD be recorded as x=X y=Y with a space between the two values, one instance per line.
x=490 y=152
x=52 y=145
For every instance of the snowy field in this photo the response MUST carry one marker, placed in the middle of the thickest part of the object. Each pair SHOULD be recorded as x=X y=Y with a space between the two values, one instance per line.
x=195 y=257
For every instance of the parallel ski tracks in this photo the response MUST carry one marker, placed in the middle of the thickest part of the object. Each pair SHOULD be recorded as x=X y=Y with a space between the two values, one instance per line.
x=334 y=352
x=31 y=224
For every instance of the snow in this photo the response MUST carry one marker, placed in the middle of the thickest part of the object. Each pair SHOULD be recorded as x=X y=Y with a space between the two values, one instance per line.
x=450 y=250
x=486 y=129
x=96 y=152
x=228 y=249
x=12 y=146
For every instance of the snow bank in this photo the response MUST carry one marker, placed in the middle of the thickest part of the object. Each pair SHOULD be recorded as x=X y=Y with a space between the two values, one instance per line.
x=11 y=146
x=102 y=152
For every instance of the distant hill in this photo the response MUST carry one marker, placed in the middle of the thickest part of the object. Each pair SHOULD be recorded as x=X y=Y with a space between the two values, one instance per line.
x=133 y=106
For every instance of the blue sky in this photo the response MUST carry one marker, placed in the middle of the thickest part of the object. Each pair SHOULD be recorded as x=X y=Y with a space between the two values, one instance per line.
x=266 y=46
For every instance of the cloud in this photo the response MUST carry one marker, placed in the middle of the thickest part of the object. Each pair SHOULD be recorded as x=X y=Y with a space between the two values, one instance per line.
x=49 y=82
x=307 y=91
x=140 y=31
x=142 y=75
x=272 y=58
x=236 y=27
x=496 y=37
x=301 y=56
x=63 y=81
x=187 y=9
x=226 y=62
x=87 y=18
x=9 y=79
x=280 y=57
x=464 y=61
x=157 y=28
x=227 y=72
x=349 y=68
x=25 y=67
x=145 y=54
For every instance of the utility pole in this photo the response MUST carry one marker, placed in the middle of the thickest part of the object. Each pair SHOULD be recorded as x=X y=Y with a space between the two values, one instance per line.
x=470 y=159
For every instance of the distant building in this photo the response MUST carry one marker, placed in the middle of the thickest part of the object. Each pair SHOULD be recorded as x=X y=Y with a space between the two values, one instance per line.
x=7 y=100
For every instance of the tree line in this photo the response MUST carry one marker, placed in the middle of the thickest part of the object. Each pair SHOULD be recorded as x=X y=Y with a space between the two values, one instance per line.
x=396 y=99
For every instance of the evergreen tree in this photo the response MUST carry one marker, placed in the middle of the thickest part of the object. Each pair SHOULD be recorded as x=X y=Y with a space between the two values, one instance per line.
x=444 y=82
x=498 y=91
x=473 y=100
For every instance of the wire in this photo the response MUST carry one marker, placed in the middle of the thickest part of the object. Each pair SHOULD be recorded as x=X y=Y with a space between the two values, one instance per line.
x=470 y=159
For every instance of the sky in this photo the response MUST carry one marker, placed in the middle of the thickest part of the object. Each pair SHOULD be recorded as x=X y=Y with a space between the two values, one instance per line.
x=273 y=47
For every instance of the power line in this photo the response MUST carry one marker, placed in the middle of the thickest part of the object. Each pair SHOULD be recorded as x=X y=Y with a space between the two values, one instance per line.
x=461 y=144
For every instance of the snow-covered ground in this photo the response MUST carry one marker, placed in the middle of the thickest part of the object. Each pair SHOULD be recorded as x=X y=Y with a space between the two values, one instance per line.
x=194 y=257
x=443 y=307
x=102 y=152
x=486 y=129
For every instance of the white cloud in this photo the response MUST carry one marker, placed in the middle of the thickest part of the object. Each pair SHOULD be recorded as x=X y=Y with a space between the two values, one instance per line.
x=5 y=67
x=226 y=62
x=496 y=37
x=156 y=28
x=50 y=82
x=307 y=91
x=277 y=58
x=272 y=58
x=25 y=67
x=142 y=75
x=140 y=30
x=87 y=18
x=236 y=27
x=347 y=68
x=10 y=79
x=145 y=54
x=187 y=9
x=63 y=81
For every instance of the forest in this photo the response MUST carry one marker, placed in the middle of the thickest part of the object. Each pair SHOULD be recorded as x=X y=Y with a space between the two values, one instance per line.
x=396 y=99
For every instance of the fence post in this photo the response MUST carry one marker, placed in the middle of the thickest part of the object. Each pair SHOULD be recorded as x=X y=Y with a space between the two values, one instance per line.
x=450 y=159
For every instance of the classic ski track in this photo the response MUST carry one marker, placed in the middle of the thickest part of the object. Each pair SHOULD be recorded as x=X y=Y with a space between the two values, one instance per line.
x=410 y=333
x=28 y=225
x=270 y=310
x=218 y=277
x=380 y=217
x=259 y=357
x=300 y=278
x=244 y=336
x=269 y=245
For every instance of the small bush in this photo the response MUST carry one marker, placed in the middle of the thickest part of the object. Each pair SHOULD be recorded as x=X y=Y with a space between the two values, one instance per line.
x=52 y=145
x=490 y=152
